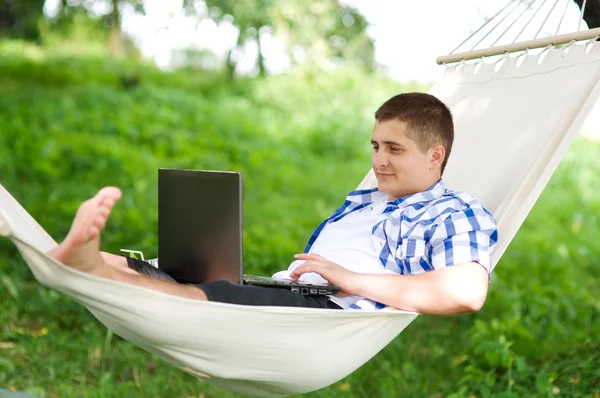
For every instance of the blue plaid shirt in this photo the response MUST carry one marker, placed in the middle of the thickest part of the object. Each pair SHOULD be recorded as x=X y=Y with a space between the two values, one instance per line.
x=425 y=231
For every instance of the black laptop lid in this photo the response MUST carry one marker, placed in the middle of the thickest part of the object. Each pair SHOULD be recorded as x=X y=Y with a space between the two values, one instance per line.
x=200 y=225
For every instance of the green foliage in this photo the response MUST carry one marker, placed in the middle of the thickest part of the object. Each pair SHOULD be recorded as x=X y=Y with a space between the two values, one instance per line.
x=73 y=27
x=19 y=19
x=316 y=34
x=323 y=32
x=70 y=125
x=322 y=35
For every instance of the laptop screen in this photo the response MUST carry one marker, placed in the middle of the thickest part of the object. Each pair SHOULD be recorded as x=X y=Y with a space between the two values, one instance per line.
x=200 y=225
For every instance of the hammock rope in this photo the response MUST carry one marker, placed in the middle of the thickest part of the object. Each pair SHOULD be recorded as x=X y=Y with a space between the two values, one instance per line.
x=500 y=43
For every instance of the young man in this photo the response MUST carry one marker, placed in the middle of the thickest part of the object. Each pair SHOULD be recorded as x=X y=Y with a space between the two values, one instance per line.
x=409 y=243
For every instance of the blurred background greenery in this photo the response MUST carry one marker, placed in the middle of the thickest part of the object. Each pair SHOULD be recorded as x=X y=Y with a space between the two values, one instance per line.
x=81 y=108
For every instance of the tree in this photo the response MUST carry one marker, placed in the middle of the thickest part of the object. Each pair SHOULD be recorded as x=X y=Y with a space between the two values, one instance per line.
x=20 y=19
x=249 y=16
x=117 y=42
x=323 y=32
x=319 y=32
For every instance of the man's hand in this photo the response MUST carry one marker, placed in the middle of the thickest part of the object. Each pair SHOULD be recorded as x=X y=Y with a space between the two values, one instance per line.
x=333 y=273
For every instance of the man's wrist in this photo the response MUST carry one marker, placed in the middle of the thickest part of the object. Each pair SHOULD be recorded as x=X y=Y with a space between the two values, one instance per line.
x=354 y=285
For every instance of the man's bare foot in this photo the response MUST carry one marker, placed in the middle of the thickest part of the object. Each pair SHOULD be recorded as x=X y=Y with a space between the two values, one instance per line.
x=81 y=247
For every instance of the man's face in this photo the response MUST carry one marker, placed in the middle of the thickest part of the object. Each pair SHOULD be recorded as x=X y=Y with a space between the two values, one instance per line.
x=400 y=166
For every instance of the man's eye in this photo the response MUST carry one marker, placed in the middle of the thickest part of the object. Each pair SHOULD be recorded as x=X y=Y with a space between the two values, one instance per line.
x=396 y=149
x=375 y=148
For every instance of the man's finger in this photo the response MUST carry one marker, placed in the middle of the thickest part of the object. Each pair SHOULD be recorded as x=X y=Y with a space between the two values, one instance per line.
x=307 y=256
x=308 y=266
x=299 y=271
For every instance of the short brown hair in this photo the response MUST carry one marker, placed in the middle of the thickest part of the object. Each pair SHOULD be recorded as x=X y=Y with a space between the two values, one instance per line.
x=428 y=119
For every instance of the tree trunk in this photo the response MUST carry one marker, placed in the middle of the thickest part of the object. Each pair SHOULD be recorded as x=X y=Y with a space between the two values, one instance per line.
x=261 y=60
x=230 y=63
x=116 y=41
x=591 y=15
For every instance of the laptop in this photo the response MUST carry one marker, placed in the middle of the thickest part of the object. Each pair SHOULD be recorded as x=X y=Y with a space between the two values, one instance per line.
x=200 y=236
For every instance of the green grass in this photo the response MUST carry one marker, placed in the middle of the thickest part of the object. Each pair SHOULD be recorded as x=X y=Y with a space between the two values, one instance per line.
x=68 y=126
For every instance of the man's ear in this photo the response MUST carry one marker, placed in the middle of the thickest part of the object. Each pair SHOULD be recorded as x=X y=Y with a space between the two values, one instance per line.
x=437 y=155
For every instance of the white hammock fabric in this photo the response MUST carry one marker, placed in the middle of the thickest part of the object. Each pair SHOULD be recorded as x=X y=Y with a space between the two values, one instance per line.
x=512 y=128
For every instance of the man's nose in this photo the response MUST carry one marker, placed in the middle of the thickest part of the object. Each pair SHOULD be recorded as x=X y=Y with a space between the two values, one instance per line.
x=380 y=159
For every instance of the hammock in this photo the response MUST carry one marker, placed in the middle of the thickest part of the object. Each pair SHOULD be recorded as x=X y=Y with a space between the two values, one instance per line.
x=512 y=129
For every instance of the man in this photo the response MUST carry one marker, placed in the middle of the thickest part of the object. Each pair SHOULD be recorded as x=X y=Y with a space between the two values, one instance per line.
x=409 y=244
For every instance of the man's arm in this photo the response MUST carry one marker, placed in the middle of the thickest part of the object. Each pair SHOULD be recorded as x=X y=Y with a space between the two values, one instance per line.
x=452 y=290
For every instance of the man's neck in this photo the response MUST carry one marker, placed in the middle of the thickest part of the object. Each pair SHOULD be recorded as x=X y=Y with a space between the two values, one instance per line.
x=428 y=185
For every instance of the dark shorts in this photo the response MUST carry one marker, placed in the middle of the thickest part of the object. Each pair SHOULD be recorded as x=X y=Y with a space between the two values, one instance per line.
x=224 y=291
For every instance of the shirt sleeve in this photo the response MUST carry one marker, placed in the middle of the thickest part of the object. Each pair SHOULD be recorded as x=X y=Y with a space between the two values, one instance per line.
x=462 y=237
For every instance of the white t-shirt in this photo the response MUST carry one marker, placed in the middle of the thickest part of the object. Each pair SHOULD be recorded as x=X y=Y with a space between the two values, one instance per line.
x=348 y=243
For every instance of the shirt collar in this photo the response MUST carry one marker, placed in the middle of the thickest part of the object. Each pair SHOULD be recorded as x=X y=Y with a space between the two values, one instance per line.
x=434 y=192
x=364 y=196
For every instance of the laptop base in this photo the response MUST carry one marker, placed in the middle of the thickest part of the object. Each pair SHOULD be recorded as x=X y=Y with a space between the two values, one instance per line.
x=299 y=288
